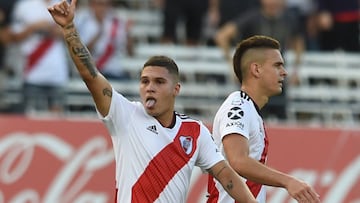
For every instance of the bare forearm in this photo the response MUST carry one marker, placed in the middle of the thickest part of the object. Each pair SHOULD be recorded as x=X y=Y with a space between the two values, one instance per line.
x=299 y=47
x=232 y=183
x=224 y=45
x=79 y=53
x=260 y=173
x=237 y=188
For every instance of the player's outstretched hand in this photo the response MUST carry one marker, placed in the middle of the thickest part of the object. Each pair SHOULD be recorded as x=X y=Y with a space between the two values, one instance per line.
x=63 y=12
x=302 y=192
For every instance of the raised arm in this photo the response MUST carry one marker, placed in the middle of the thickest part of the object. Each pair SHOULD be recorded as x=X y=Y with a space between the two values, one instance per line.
x=100 y=89
x=232 y=182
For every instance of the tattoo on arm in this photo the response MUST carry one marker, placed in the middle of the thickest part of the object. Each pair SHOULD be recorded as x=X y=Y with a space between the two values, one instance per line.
x=229 y=185
x=220 y=171
x=107 y=92
x=79 y=50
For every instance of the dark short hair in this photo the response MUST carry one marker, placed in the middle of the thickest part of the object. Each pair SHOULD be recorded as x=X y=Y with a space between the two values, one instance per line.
x=163 y=61
x=254 y=42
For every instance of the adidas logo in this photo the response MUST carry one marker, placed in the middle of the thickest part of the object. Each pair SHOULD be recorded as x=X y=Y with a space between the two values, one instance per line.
x=152 y=128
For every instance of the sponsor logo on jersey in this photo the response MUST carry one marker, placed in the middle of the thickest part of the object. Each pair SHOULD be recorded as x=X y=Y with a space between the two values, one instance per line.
x=152 y=128
x=186 y=143
x=235 y=113
x=237 y=102
x=237 y=124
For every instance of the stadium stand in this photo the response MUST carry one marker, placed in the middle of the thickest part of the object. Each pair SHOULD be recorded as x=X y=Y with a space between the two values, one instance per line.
x=329 y=89
x=328 y=92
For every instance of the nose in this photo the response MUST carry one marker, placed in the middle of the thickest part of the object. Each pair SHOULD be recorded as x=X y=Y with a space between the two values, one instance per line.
x=284 y=72
x=150 y=87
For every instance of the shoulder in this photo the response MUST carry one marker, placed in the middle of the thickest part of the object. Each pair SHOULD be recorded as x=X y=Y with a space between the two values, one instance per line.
x=236 y=105
x=237 y=98
x=185 y=118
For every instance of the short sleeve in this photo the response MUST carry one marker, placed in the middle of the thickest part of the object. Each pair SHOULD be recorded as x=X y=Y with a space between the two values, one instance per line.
x=117 y=119
x=236 y=118
x=209 y=154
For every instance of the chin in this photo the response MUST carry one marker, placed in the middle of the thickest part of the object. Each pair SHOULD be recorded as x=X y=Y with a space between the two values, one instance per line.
x=151 y=112
x=277 y=92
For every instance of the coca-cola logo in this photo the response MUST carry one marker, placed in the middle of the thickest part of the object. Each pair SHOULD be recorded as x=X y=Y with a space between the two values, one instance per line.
x=73 y=162
x=334 y=187
x=77 y=168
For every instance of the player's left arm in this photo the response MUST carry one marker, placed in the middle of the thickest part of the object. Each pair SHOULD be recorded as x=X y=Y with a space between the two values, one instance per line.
x=232 y=182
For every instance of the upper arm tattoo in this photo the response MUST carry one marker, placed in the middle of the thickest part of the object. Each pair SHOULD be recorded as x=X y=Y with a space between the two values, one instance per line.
x=107 y=92
x=79 y=50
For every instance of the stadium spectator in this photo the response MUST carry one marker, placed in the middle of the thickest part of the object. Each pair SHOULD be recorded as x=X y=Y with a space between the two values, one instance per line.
x=107 y=36
x=306 y=13
x=191 y=13
x=274 y=20
x=227 y=10
x=155 y=147
x=238 y=128
x=6 y=8
x=339 y=25
x=45 y=67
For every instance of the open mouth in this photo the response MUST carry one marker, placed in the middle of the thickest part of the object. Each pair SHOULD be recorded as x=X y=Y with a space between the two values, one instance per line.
x=150 y=102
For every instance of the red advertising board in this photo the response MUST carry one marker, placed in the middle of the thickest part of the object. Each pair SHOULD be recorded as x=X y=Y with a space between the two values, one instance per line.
x=63 y=161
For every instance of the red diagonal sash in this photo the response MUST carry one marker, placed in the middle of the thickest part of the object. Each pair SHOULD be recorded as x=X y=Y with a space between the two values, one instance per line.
x=256 y=187
x=166 y=164
x=110 y=48
x=38 y=53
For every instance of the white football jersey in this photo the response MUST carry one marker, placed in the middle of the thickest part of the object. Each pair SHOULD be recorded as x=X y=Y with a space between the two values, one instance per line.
x=239 y=114
x=153 y=163
x=110 y=48
x=42 y=55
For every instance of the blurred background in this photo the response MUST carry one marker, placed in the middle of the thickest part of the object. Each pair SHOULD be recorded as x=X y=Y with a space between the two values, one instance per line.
x=49 y=127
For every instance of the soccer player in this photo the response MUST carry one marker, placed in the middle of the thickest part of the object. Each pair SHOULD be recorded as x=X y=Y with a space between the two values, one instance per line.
x=155 y=148
x=238 y=127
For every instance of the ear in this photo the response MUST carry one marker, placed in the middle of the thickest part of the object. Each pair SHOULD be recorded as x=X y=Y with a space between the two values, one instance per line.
x=255 y=69
x=177 y=89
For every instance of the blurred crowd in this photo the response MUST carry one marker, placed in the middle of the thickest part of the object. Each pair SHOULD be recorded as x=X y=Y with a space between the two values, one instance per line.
x=33 y=51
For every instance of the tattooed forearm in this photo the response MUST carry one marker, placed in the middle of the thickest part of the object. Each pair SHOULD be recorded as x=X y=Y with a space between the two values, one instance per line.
x=107 y=92
x=81 y=52
x=218 y=173
x=70 y=26
x=229 y=185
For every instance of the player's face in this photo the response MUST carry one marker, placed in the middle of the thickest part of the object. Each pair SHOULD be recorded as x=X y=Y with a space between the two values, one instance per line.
x=273 y=72
x=158 y=90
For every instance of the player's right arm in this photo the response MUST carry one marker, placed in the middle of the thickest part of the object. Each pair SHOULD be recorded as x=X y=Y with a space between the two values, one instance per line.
x=237 y=152
x=99 y=87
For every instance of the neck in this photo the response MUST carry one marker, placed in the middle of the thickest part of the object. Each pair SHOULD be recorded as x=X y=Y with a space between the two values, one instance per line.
x=167 y=121
x=256 y=95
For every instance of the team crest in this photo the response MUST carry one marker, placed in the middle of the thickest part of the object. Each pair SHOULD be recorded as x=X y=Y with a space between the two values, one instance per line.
x=186 y=143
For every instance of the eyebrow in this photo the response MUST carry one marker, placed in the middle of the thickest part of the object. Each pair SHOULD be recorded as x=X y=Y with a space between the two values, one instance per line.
x=279 y=63
x=156 y=78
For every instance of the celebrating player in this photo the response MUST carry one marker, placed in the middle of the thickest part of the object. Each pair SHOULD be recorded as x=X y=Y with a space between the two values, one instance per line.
x=155 y=148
